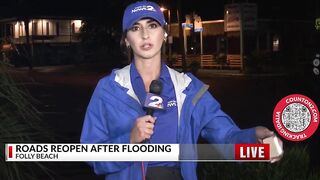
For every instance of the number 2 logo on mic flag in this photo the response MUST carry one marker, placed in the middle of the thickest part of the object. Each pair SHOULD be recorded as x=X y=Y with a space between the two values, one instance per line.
x=154 y=101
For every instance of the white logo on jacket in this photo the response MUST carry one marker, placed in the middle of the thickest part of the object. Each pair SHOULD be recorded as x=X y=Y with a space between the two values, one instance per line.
x=172 y=103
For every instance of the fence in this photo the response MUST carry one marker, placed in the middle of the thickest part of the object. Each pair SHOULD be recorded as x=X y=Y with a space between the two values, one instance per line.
x=209 y=61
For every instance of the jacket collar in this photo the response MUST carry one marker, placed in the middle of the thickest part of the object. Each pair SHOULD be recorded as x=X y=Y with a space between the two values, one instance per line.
x=181 y=82
x=120 y=90
x=122 y=77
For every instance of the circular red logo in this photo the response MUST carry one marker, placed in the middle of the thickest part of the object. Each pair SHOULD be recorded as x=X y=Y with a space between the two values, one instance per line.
x=296 y=117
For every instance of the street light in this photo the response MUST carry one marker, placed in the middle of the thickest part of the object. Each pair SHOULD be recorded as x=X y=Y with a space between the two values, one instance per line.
x=316 y=64
x=169 y=32
x=169 y=17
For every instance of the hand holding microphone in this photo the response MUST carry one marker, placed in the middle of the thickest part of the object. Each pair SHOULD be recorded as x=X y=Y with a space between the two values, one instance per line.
x=143 y=127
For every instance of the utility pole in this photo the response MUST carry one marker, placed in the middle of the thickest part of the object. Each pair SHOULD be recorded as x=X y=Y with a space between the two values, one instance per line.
x=29 y=45
x=241 y=37
x=170 y=39
x=181 y=39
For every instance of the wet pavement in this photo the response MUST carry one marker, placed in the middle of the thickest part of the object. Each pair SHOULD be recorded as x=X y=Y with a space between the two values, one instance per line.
x=63 y=93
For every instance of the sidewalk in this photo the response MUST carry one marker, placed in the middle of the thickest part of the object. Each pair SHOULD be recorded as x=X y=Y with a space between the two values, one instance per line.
x=207 y=73
x=84 y=71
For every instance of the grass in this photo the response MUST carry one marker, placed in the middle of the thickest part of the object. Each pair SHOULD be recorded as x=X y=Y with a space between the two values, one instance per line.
x=295 y=164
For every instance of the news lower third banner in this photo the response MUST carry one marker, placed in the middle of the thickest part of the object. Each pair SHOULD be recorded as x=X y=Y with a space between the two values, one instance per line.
x=137 y=152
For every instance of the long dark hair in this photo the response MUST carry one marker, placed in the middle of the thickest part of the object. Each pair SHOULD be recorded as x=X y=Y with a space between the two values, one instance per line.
x=126 y=50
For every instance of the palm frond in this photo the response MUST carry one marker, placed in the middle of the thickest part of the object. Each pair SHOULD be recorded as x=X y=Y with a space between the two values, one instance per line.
x=19 y=123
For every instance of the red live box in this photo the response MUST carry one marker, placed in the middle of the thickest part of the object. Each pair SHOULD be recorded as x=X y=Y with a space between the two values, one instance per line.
x=252 y=152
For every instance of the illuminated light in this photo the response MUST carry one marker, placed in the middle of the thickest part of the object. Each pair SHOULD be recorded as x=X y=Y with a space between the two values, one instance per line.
x=7 y=47
x=16 y=25
x=316 y=62
x=275 y=43
x=317 y=24
x=16 y=30
x=316 y=71
x=21 y=30
x=77 y=25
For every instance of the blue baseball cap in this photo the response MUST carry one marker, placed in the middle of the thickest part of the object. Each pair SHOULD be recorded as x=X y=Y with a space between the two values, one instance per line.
x=139 y=10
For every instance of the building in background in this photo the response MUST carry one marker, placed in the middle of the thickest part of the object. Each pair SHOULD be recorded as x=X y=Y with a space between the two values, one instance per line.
x=226 y=43
x=265 y=44
x=40 y=40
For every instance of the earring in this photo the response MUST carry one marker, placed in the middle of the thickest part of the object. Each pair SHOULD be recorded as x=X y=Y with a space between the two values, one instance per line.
x=165 y=39
x=128 y=46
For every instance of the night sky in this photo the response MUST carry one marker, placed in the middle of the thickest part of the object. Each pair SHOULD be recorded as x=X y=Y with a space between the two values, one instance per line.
x=112 y=9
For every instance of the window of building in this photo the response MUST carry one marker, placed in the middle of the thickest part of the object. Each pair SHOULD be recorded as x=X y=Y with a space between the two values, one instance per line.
x=21 y=29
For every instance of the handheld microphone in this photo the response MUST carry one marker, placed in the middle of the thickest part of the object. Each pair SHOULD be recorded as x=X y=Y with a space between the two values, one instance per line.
x=153 y=99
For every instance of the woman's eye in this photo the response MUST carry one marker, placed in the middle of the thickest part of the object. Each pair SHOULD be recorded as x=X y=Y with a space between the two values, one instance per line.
x=153 y=25
x=135 y=28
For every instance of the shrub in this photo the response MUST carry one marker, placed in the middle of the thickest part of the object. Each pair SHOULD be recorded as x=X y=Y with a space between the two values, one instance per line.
x=19 y=123
x=295 y=164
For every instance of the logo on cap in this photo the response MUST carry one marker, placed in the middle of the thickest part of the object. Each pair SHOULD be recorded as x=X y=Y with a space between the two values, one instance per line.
x=139 y=10
x=143 y=8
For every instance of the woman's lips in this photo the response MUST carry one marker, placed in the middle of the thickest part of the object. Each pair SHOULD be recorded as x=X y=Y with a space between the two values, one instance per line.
x=146 y=46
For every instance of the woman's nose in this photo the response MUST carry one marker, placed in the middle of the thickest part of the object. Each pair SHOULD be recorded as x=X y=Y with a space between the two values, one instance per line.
x=145 y=33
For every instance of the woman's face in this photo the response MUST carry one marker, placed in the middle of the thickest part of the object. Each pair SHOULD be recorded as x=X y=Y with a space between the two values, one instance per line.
x=145 y=39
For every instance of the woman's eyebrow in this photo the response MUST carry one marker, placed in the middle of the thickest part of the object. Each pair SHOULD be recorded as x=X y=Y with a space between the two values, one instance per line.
x=151 y=21
x=148 y=22
x=136 y=23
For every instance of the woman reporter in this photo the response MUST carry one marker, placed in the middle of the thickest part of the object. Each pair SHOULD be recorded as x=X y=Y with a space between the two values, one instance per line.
x=115 y=113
